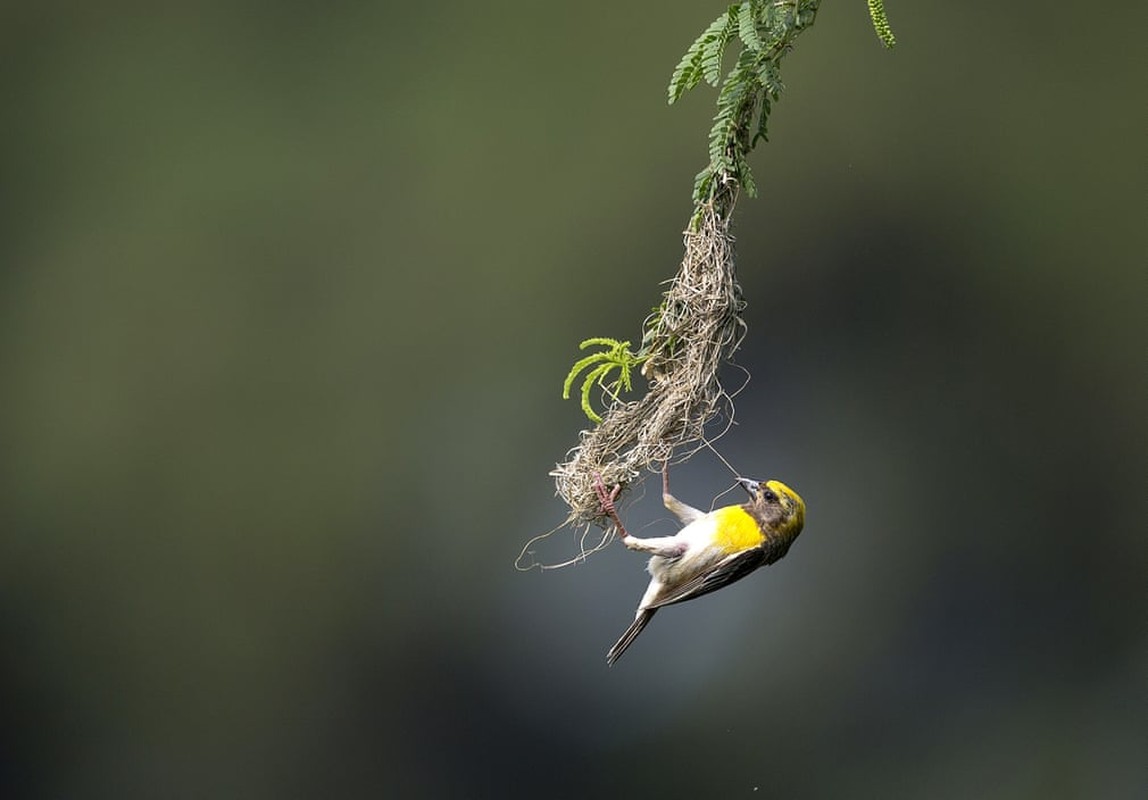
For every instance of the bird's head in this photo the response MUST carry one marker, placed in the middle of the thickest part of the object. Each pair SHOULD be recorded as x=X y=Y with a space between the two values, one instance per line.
x=779 y=509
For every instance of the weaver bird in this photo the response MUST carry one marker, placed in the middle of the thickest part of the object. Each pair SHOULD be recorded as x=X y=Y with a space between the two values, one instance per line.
x=713 y=550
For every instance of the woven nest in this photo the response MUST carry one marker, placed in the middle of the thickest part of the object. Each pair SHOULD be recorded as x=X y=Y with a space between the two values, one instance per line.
x=698 y=329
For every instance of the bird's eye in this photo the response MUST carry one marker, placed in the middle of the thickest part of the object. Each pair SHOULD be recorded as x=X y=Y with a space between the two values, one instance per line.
x=769 y=496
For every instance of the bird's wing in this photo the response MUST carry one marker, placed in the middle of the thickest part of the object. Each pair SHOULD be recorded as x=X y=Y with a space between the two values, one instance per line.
x=731 y=568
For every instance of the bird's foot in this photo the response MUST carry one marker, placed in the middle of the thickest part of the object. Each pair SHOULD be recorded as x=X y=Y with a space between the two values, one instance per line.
x=606 y=498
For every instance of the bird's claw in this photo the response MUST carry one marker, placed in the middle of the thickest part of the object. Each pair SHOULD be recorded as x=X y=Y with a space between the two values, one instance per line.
x=606 y=498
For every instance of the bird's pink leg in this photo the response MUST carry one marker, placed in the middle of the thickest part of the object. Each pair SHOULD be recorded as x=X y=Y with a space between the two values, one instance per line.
x=607 y=500
x=664 y=546
x=686 y=514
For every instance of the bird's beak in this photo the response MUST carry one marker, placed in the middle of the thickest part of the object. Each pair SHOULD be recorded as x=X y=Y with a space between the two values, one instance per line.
x=749 y=485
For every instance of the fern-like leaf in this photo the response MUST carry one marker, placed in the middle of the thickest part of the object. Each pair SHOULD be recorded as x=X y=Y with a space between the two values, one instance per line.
x=686 y=74
x=735 y=103
x=689 y=70
x=762 y=133
x=591 y=378
x=714 y=50
x=579 y=365
x=617 y=355
x=766 y=30
x=747 y=27
x=881 y=23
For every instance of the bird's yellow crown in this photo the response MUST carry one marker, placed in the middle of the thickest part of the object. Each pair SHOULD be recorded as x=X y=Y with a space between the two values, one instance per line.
x=798 y=505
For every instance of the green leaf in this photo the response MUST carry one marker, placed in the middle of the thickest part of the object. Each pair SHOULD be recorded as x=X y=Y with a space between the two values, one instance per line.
x=579 y=365
x=762 y=120
x=714 y=50
x=765 y=31
x=593 y=376
x=617 y=355
x=689 y=70
x=769 y=74
x=747 y=27
x=881 y=23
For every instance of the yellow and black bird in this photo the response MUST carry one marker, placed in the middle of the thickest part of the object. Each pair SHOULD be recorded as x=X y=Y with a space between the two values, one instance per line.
x=713 y=550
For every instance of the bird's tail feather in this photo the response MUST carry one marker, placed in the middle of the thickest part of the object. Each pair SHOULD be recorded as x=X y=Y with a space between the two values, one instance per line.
x=640 y=622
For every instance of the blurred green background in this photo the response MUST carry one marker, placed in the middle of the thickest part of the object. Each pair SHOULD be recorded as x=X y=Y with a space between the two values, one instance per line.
x=288 y=293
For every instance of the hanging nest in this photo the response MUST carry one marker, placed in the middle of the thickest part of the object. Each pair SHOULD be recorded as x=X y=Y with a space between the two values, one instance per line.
x=698 y=327
x=694 y=332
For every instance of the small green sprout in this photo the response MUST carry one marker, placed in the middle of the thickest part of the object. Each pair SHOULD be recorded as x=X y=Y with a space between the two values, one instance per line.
x=617 y=355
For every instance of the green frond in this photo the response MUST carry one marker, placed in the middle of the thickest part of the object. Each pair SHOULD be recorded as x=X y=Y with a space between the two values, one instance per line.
x=773 y=15
x=729 y=139
x=765 y=29
x=604 y=341
x=617 y=355
x=713 y=51
x=703 y=185
x=686 y=74
x=591 y=378
x=690 y=70
x=747 y=27
x=881 y=23
x=804 y=13
x=769 y=75
x=579 y=365
x=624 y=382
x=746 y=179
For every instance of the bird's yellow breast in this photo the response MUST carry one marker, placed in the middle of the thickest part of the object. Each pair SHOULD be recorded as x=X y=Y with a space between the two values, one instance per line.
x=736 y=530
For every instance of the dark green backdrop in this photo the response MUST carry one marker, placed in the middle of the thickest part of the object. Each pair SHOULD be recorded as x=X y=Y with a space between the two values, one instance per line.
x=287 y=293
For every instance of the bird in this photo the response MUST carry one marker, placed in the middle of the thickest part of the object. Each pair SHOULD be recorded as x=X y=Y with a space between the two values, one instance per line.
x=713 y=550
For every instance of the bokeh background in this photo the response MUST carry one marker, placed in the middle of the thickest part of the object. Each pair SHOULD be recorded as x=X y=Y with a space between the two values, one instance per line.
x=287 y=293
